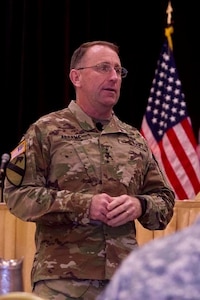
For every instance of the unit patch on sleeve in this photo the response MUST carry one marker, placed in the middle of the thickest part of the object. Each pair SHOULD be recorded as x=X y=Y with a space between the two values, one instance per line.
x=16 y=167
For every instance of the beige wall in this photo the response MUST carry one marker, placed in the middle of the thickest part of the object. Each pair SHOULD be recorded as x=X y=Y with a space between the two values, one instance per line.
x=17 y=241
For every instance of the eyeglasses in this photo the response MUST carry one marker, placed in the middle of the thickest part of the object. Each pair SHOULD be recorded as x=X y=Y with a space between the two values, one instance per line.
x=105 y=68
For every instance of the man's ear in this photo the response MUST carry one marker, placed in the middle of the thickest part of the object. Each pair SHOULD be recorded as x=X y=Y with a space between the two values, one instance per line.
x=74 y=76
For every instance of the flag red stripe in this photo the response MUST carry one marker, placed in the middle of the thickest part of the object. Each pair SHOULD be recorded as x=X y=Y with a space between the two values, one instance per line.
x=184 y=158
x=181 y=180
x=188 y=129
x=171 y=175
x=162 y=158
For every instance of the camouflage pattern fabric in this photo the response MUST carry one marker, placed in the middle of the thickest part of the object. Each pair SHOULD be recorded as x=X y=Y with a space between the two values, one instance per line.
x=60 y=163
x=163 y=269
x=69 y=289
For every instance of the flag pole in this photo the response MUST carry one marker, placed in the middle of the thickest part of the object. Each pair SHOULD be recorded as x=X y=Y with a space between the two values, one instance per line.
x=169 y=29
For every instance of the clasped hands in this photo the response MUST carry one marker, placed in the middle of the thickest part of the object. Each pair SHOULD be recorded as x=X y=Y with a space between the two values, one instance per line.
x=115 y=211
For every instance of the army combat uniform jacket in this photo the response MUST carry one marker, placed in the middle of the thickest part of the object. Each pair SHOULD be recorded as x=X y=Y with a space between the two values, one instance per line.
x=61 y=162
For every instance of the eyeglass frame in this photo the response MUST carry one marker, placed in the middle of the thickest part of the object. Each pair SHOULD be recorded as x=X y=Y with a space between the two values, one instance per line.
x=97 y=67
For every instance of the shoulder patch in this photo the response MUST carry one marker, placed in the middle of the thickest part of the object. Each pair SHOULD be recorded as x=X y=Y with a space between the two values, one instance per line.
x=15 y=169
x=21 y=148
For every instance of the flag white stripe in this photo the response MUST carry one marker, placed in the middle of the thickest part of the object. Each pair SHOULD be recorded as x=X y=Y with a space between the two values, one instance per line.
x=176 y=164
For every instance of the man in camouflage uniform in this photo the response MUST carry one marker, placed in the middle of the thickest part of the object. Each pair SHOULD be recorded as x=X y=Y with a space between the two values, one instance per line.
x=84 y=184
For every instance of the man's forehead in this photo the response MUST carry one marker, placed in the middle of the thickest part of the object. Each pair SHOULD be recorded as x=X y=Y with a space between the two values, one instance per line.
x=101 y=53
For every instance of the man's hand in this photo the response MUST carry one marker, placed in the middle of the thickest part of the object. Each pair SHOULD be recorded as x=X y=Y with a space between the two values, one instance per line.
x=115 y=211
x=98 y=207
x=123 y=209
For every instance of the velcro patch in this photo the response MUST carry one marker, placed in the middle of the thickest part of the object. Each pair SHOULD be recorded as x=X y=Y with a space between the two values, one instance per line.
x=21 y=148
x=16 y=169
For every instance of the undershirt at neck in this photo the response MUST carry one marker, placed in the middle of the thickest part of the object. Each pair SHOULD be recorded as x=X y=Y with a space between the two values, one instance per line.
x=100 y=123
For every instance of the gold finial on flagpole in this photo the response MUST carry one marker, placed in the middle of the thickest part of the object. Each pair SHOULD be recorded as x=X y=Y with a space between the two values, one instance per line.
x=169 y=13
x=169 y=29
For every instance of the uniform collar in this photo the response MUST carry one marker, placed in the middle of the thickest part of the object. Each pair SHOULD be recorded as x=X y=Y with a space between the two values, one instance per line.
x=87 y=123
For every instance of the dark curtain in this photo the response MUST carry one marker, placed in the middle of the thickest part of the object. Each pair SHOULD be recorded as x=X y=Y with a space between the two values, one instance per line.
x=39 y=37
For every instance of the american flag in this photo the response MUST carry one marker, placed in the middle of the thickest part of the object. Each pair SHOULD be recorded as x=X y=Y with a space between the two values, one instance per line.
x=167 y=127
